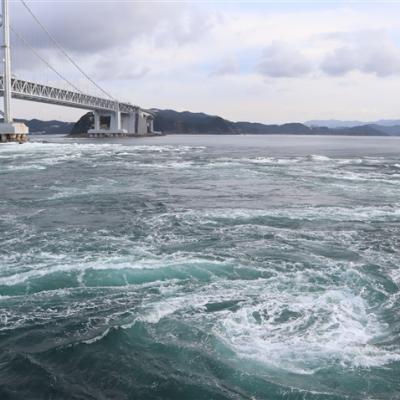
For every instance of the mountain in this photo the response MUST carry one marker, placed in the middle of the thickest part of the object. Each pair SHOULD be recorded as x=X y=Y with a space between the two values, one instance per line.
x=363 y=130
x=170 y=121
x=388 y=130
x=257 y=128
x=334 y=123
x=36 y=126
x=185 y=122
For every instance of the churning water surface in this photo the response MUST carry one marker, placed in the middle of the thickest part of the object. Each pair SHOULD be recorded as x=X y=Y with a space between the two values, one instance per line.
x=200 y=267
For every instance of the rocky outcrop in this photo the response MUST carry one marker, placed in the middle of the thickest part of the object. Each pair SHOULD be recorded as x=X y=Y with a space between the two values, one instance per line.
x=82 y=126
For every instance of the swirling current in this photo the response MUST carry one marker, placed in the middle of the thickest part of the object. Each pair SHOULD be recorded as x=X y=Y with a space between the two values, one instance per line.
x=183 y=267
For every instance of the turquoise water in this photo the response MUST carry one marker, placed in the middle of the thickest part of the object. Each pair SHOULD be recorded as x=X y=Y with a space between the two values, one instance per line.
x=204 y=267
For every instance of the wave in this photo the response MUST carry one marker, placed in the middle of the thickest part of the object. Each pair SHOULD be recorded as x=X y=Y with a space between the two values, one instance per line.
x=111 y=264
x=360 y=213
x=318 y=158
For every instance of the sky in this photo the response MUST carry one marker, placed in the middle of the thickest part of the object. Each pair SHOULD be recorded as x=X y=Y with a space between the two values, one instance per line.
x=260 y=61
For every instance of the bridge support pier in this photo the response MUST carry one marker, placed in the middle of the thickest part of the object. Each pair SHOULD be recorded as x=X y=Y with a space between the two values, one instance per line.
x=96 y=115
x=106 y=124
x=13 y=132
x=116 y=124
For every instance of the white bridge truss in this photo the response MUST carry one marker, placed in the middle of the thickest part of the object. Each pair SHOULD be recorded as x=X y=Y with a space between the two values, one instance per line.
x=32 y=91
x=110 y=117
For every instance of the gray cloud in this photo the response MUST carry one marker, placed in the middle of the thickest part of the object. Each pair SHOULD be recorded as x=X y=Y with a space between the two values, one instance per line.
x=89 y=27
x=127 y=69
x=282 y=60
x=91 y=30
x=340 y=61
x=370 y=52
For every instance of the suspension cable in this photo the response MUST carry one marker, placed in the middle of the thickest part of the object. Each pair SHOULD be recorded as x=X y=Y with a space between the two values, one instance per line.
x=63 y=51
x=43 y=59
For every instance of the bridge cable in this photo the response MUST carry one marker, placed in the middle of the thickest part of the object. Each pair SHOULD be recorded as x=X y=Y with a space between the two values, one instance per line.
x=64 y=51
x=42 y=59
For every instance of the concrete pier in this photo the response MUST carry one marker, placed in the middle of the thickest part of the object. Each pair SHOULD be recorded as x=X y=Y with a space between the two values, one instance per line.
x=20 y=138
x=13 y=132
x=122 y=124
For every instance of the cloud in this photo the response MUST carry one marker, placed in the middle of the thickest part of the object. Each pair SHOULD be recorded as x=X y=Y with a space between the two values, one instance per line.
x=88 y=27
x=370 y=52
x=96 y=26
x=283 y=60
x=366 y=51
x=190 y=26
x=161 y=53
x=340 y=61
x=228 y=66
x=111 y=41
x=126 y=69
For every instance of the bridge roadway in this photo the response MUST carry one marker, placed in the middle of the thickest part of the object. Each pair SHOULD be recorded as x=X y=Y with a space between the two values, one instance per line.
x=32 y=91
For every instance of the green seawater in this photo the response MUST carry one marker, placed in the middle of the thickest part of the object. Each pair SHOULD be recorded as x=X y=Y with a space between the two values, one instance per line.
x=200 y=267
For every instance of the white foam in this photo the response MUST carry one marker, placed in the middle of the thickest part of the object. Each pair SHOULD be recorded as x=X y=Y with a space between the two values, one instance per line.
x=318 y=158
x=162 y=309
x=283 y=323
x=333 y=327
x=360 y=213
x=271 y=160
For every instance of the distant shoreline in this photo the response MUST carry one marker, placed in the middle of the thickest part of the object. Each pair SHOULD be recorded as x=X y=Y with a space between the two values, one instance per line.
x=83 y=136
x=189 y=123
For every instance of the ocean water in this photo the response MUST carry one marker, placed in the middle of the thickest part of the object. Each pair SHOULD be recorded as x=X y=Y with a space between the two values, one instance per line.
x=200 y=267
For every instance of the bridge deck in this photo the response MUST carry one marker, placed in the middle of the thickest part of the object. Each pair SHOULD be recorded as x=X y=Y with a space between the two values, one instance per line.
x=32 y=91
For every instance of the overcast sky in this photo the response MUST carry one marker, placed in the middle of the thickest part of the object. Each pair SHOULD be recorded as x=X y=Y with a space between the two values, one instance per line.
x=261 y=61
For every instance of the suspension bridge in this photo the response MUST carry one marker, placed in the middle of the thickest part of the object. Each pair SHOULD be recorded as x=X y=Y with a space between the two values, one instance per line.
x=111 y=117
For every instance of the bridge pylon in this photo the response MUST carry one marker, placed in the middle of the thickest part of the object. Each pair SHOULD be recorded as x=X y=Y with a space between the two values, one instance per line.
x=9 y=131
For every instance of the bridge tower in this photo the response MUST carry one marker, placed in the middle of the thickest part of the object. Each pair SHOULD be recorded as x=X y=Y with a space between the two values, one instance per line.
x=9 y=130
